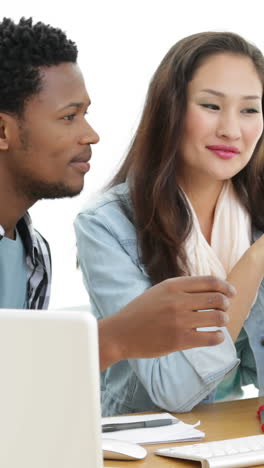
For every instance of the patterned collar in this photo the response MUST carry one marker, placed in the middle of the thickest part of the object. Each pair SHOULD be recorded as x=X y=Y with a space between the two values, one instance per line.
x=38 y=260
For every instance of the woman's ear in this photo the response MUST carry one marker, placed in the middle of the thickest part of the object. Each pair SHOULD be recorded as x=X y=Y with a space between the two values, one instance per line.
x=4 y=123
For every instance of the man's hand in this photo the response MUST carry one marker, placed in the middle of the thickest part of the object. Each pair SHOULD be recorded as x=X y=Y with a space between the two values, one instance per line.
x=164 y=319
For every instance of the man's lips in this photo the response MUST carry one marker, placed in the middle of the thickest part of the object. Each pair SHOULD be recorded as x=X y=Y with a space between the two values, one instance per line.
x=82 y=157
x=81 y=161
x=224 y=151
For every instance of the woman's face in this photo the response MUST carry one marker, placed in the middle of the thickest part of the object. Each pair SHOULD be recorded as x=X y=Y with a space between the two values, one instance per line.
x=224 y=118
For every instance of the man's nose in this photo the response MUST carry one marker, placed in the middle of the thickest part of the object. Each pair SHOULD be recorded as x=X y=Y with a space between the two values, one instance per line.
x=89 y=137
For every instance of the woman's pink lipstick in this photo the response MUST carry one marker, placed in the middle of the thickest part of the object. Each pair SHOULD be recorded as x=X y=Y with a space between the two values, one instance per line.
x=223 y=151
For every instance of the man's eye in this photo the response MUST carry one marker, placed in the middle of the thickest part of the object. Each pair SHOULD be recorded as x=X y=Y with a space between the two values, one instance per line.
x=69 y=117
x=211 y=106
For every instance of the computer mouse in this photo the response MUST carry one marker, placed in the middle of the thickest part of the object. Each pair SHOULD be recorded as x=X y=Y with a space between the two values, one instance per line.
x=122 y=450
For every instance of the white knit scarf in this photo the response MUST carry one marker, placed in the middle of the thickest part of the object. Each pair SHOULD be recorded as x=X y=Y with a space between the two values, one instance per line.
x=231 y=235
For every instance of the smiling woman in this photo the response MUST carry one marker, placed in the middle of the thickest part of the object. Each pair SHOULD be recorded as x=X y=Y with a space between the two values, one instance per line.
x=223 y=124
x=188 y=200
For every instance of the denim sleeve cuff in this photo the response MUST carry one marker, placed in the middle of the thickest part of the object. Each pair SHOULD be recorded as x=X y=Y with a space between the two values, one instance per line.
x=214 y=362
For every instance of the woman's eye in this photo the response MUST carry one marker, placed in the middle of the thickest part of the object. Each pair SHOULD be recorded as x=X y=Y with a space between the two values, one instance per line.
x=211 y=106
x=69 y=117
x=250 y=110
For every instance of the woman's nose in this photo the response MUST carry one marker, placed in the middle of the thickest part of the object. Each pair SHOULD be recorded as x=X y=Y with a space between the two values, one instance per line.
x=229 y=127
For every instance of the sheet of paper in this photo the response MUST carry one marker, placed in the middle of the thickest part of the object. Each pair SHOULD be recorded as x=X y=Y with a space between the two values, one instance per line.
x=137 y=417
x=173 y=433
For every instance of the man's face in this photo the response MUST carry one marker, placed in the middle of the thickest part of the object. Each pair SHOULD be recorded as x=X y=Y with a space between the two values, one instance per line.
x=49 y=148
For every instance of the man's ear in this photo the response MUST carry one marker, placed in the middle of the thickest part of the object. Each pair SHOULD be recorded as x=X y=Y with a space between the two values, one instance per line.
x=5 y=127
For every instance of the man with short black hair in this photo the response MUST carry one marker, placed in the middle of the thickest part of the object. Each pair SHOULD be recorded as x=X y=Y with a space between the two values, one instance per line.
x=45 y=148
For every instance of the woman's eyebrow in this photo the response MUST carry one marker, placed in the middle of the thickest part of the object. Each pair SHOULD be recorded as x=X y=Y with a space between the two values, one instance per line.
x=220 y=94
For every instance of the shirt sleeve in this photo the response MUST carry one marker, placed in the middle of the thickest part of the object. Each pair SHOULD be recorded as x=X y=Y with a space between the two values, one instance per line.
x=113 y=277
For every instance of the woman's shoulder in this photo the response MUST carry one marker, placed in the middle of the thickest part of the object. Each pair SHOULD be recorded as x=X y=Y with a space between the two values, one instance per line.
x=111 y=199
x=112 y=209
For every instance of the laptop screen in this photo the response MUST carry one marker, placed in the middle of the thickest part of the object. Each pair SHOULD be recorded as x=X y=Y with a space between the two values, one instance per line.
x=49 y=392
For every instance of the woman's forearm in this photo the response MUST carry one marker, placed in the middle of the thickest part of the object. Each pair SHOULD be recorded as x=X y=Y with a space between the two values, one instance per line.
x=246 y=277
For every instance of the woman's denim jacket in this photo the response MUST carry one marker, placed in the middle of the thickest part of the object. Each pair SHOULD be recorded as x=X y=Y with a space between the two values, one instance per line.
x=113 y=276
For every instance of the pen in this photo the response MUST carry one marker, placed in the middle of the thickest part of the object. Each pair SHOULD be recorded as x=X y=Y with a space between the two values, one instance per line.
x=137 y=425
x=260 y=414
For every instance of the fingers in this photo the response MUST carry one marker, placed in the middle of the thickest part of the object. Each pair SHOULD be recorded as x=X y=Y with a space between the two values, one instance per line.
x=199 y=339
x=198 y=284
x=203 y=305
x=208 y=300
x=210 y=318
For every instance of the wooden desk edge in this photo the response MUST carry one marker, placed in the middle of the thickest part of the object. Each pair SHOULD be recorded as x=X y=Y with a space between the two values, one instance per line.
x=226 y=420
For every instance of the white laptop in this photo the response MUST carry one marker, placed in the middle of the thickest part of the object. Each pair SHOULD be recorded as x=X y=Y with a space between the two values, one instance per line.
x=49 y=390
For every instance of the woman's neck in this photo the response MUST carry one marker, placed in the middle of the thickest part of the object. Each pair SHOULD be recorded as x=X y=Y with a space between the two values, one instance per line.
x=203 y=198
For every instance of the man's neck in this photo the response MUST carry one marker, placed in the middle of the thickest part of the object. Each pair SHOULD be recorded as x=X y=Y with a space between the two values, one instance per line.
x=14 y=201
x=12 y=209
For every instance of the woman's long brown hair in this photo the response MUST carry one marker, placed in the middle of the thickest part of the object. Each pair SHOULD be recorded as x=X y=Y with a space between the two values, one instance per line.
x=160 y=213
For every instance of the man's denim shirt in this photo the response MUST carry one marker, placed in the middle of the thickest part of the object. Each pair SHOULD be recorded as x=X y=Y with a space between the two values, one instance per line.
x=114 y=275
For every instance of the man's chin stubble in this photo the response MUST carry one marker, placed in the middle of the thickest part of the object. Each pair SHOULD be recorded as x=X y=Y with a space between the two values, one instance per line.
x=50 y=191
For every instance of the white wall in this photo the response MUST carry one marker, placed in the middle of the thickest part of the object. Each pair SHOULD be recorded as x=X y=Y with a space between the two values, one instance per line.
x=121 y=42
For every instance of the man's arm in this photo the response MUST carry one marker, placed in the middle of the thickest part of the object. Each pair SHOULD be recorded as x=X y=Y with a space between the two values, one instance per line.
x=164 y=319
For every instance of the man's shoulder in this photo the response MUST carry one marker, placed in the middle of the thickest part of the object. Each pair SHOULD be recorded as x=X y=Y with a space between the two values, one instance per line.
x=39 y=264
x=31 y=238
x=42 y=242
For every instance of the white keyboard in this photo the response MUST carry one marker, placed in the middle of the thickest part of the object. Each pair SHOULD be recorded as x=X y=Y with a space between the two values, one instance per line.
x=231 y=453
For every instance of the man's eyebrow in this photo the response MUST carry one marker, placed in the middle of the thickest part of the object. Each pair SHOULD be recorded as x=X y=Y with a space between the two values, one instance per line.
x=75 y=104
x=219 y=94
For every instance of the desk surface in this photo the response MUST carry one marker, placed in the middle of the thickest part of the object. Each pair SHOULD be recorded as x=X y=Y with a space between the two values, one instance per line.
x=218 y=421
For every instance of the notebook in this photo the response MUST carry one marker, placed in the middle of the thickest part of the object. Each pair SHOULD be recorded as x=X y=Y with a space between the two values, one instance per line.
x=49 y=390
x=176 y=432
